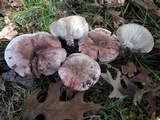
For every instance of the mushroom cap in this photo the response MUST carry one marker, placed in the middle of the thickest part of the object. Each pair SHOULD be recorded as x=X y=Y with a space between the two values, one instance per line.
x=79 y=72
x=75 y=26
x=21 y=50
x=100 y=43
x=136 y=37
x=50 y=60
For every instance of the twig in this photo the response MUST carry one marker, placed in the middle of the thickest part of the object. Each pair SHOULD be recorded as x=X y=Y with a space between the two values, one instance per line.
x=69 y=7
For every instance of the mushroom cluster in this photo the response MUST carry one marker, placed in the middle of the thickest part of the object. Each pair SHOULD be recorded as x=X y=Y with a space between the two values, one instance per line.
x=35 y=54
x=41 y=53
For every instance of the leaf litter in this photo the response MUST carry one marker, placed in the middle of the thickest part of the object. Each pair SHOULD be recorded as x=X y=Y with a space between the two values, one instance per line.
x=147 y=93
x=55 y=109
x=8 y=31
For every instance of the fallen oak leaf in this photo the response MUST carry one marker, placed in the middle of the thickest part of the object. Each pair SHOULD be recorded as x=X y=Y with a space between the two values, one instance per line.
x=117 y=87
x=8 y=31
x=140 y=94
x=54 y=109
x=149 y=97
x=142 y=78
x=131 y=89
x=118 y=90
x=148 y=92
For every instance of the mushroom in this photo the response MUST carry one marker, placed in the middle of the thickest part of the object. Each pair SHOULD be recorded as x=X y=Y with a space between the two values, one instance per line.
x=100 y=43
x=136 y=37
x=79 y=72
x=39 y=52
x=70 y=28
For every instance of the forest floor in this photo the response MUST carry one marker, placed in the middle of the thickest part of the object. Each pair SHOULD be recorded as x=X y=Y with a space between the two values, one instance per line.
x=139 y=98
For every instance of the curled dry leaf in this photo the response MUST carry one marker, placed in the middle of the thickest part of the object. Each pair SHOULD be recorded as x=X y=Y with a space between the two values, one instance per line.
x=54 y=109
x=148 y=92
x=129 y=70
x=117 y=20
x=8 y=31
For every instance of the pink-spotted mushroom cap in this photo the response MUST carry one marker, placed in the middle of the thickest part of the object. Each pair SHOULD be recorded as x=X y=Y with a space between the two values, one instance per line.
x=101 y=44
x=41 y=47
x=136 y=37
x=79 y=72
x=70 y=28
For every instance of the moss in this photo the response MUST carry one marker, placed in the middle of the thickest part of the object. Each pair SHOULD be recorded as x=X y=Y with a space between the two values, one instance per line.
x=95 y=96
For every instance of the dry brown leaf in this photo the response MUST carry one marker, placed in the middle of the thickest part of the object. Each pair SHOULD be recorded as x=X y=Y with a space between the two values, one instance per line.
x=2 y=86
x=117 y=87
x=118 y=90
x=153 y=116
x=15 y=3
x=25 y=81
x=54 y=109
x=142 y=78
x=149 y=5
x=129 y=70
x=117 y=20
x=150 y=97
x=148 y=92
x=4 y=7
x=8 y=31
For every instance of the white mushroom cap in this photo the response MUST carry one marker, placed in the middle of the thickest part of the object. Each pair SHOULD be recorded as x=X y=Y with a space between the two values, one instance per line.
x=70 y=28
x=16 y=58
x=136 y=37
x=21 y=50
x=79 y=72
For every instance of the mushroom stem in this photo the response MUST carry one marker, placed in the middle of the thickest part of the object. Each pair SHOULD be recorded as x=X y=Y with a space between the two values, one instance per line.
x=70 y=40
x=128 y=44
x=34 y=69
